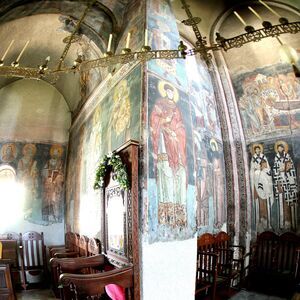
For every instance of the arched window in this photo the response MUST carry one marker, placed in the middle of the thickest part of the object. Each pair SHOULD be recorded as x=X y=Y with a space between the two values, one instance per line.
x=7 y=174
x=11 y=198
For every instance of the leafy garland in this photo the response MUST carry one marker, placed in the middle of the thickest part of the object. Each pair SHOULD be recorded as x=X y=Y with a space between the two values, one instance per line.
x=111 y=160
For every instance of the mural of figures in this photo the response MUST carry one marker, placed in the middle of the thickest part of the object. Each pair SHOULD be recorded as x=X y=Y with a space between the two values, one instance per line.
x=121 y=109
x=269 y=102
x=53 y=179
x=8 y=152
x=120 y=112
x=285 y=184
x=169 y=151
x=112 y=119
x=34 y=171
x=207 y=139
x=27 y=174
x=274 y=187
x=262 y=188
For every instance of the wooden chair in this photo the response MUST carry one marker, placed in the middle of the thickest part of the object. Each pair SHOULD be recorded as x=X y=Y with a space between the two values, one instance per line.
x=11 y=250
x=94 y=247
x=83 y=245
x=70 y=247
x=78 y=265
x=206 y=243
x=33 y=256
x=92 y=286
x=6 y=286
x=222 y=241
x=273 y=264
x=206 y=273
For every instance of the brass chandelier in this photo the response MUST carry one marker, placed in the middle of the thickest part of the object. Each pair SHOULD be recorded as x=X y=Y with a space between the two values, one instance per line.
x=146 y=53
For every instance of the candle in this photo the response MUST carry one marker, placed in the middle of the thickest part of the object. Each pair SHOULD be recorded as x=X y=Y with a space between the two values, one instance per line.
x=240 y=18
x=21 y=53
x=269 y=8
x=128 y=40
x=255 y=13
x=146 y=37
x=5 y=53
x=109 y=43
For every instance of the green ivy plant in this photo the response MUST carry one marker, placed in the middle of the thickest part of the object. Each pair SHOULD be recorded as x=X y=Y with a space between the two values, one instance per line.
x=111 y=160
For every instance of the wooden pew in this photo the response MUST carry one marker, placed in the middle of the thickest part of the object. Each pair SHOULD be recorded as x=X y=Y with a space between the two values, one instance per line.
x=87 y=286
x=70 y=247
x=57 y=263
x=273 y=264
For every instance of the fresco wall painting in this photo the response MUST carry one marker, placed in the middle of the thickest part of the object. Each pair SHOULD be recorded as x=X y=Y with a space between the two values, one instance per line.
x=208 y=145
x=185 y=143
x=40 y=168
x=114 y=120
x=269 y=102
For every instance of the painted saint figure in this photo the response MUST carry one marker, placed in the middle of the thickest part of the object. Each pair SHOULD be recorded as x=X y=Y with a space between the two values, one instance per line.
x=169 y=152
x=53 y=179
x=285 y=182
x=262 y=188
x=27 y=174
x=119 y=128
x=8 y=152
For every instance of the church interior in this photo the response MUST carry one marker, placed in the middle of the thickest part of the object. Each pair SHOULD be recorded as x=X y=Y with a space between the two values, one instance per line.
x=149 y=149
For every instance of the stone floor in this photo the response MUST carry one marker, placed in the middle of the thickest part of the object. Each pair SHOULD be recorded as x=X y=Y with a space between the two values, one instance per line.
x=35 y=294
x=48 y=295
x=245 y=295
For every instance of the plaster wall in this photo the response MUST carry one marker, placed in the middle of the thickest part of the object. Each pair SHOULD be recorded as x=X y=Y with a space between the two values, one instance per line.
x=34 y=122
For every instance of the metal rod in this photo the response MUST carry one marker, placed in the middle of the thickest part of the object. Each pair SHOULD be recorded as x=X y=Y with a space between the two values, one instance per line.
x=66 y=50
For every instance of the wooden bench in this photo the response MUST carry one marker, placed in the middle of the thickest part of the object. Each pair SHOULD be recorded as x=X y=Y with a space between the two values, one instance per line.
x=71 y=246
x=93 y=285
x=273 y=264
x=62 y=263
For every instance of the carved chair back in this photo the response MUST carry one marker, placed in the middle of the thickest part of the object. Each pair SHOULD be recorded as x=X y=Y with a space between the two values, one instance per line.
x=206 y=242
x=265 y=251
x=289 y=244
x=83 y=245
x=33 y=256
x=94 y=247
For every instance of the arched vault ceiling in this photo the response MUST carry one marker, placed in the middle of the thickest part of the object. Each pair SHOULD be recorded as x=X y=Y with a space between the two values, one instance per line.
x=12 y=9
x=45 y=33
x=43 y=23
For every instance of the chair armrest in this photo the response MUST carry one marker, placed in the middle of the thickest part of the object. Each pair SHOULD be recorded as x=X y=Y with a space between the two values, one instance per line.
x=56 y=246
x=70 y=254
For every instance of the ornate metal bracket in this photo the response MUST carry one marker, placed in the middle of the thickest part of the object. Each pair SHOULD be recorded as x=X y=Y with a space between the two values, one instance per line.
x=256 y=35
